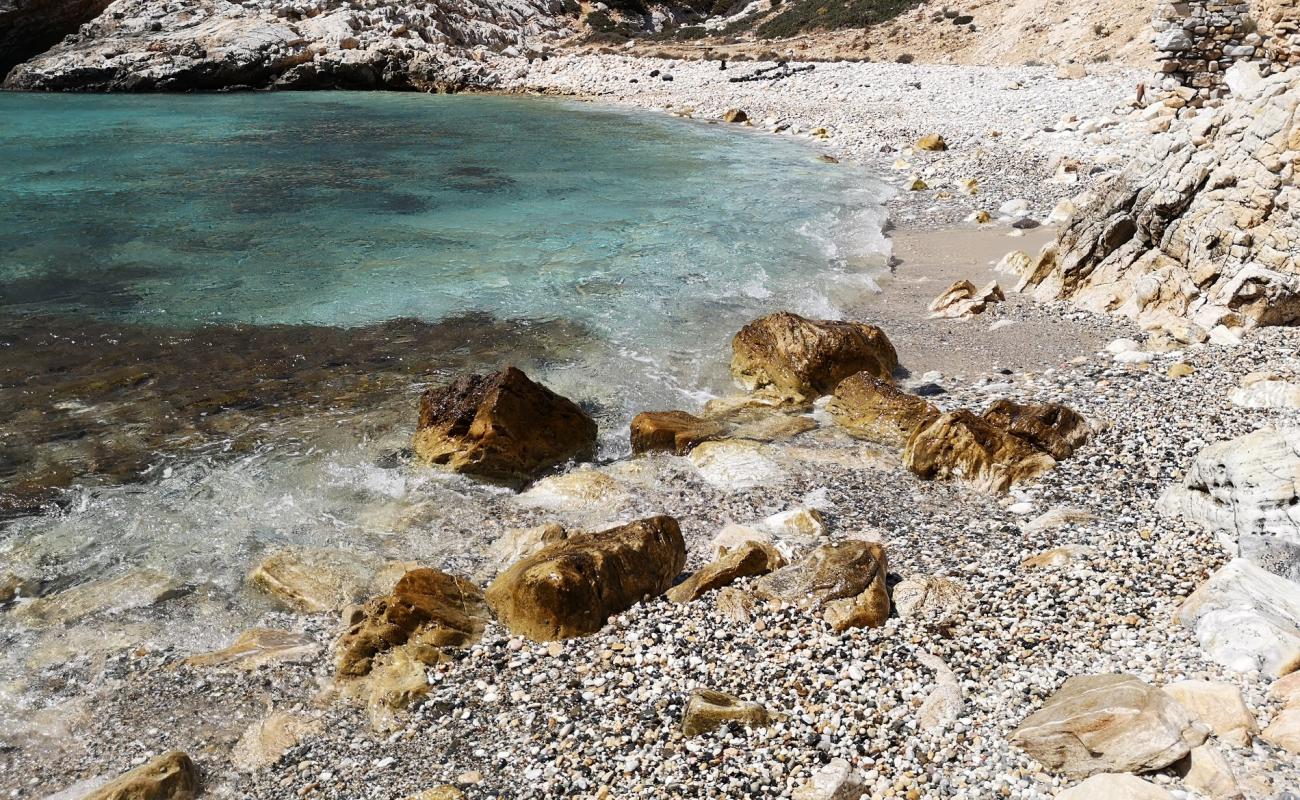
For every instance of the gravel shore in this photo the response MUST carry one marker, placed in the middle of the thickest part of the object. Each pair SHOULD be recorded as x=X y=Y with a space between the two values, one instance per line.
x=1008 y=128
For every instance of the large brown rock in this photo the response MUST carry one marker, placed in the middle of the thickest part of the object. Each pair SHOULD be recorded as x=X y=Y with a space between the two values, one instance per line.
x=963 y=446
x=875 y=410
x=750 y=558
x=170 y=776
x=426 y=612
x=846 y=581
x=502 y=426
x=1108 y=723
x=806 y=357
x=673 y=431
x=1051 y=427
x=572 y=587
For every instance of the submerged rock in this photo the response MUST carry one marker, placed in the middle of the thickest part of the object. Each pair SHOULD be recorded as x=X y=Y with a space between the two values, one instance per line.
x=257 y=647
x=969 y=448
x=708 y=710
x=314 y=580
x=502 y=426
x=170 y=776
x=808 y=358
x=266 y=740
x=845 y=581
x=1108 y=723
x=137 y=588
x=571 y=588
x=736 y=466
x=875 y=410
x=427 y=612
x=520 y=543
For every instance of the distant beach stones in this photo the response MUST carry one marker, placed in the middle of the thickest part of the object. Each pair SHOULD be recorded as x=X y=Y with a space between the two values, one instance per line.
x=501 y=427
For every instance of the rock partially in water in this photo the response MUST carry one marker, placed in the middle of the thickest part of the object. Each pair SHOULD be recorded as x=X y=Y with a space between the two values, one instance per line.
x=846 y=581
x=257 y=647
x=749 y=559
x=502 y=427
x=138 y=588
x=571 y=588
x=427 y=612
x=1247 y=618
x=736 y=465
x=708 y=710
x=808 y=358
x=314 y=580
x=1051 y=427
x=672 y=431
x=963 y=446
x=577 y=490
x=170 y=776
x=266 y=740
x=875 y=410
x=1108 y=723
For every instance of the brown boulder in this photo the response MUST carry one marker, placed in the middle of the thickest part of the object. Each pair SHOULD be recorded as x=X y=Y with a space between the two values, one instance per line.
x=846 y=580
x=502 y=427
x=808 y=358
x=750 y=558
x=1051 y=427
x=427 y=611
x=708 y=710
x=736 y=115
x=961 y=445
x=572 y=587
x=170 y=776
x=1108 y=723
x=874 y=410
x=674 y=431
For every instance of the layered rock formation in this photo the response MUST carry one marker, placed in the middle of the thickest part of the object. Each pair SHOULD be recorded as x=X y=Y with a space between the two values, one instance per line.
x=1204 y=228
x=147 y=45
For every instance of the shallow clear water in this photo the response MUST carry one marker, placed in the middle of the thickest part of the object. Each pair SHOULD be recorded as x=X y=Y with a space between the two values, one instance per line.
x=612 y=252
x=658 y=235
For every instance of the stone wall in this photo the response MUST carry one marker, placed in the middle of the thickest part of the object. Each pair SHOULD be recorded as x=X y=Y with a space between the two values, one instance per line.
x=1198 y=40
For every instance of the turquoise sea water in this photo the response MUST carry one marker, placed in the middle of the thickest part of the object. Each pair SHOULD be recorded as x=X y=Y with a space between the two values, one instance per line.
x=658 y=236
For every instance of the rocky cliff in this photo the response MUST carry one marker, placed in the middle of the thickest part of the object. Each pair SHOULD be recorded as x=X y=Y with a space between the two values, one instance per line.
x=1205 y=228
x=146 y=45
x=30 y=27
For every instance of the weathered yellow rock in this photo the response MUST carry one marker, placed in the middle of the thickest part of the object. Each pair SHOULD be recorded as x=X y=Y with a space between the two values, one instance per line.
x=969 y=448
x=932 y=142
x=314 y=580
x=1180 y=369
x=750 y=558
x=572 y=587
x=266 y=740
x=1051 y=427
x=806 y=357
x=708 y=710
x=735 y=115
x=170 y=776
x=1218 y=705
x=673 y=431
x=877 y=411
x=846 y=581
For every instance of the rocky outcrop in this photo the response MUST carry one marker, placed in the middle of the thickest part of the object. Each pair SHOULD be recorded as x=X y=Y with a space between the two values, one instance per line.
x=502 y=427
x=148 y=45
x=170 y=776
x=30 y=27
x=1247 y=618
x=1108 y=723
x=572 y=587
x=749 y=559
x=808 y=358
x=1204 y=228
x=708 y=710
x=875 y=410
x=963 y=446
x=1244 y=487
x=846 y=581
x=427 y=612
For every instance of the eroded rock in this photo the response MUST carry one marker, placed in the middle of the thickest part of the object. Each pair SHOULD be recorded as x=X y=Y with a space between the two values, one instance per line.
x=1051 y=427
x=170 y=776
x=502 y=427
x=846 y=581
x=672 y=431
x=875 y=410
x=1247 y=618
x=963 y=446
x=1108 y=723
x=1218 y=705
x=1115 y=786
x=808 y=358
x=748 y=559
x=572 y=587
x=257 y=647
x=708 y=710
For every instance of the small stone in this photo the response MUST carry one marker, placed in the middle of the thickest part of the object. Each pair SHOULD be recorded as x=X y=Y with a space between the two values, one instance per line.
x=708 y=710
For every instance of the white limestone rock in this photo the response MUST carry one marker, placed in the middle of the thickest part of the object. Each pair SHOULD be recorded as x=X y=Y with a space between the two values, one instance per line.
x=1247 y=618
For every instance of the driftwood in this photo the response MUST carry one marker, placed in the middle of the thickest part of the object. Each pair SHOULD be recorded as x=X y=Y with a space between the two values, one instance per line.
x=773 y=73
